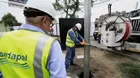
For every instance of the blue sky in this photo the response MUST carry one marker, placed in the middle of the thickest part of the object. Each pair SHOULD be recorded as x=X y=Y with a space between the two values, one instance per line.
x=97 y=10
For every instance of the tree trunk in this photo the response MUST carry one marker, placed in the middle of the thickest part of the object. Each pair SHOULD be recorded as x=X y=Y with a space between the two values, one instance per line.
x=72 y=15
x=76 y=8
x=66 y=15
x=66 y=9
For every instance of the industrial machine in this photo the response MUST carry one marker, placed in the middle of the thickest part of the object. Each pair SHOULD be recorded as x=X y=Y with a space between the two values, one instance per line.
x=121 y=31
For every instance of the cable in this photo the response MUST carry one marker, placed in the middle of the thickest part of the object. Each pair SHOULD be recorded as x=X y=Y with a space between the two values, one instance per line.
x=110 y=1
x=101 y=2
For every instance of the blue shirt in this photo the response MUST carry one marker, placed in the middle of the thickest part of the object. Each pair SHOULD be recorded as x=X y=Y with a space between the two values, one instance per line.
x=75 y=39
x=55 y=63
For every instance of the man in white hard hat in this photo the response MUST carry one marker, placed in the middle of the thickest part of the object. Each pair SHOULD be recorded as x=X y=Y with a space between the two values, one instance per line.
x=29 y=52
x=73 y=38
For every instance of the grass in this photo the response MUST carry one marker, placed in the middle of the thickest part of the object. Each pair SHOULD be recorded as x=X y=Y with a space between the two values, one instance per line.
x=130 y=70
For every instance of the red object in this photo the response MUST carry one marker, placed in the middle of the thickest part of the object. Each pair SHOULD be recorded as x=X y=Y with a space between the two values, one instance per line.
x=127 y=31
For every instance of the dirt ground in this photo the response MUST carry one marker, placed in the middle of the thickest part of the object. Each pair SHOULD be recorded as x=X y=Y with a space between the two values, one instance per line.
x=103 y=64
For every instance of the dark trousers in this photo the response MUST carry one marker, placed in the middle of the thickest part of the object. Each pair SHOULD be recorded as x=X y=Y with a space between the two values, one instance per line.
x=70 y=54
x=99 y=38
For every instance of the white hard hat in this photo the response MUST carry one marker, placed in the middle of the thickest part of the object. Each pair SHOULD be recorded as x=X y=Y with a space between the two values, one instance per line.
x=79 y=26
x=42 y=5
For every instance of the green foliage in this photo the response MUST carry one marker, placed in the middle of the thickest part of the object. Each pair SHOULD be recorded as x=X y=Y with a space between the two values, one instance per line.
x=9 y=20
x=58 y=6
x=70 y=7
x=130 y=70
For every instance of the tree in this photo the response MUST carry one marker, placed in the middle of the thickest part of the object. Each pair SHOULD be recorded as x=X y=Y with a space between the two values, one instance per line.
x=9 y=20
x=70 y=7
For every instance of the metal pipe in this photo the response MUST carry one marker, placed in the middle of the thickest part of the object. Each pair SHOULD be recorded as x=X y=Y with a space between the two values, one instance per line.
x=56 y=30
x=109 y=9
x=137 y=5
x=87 y=24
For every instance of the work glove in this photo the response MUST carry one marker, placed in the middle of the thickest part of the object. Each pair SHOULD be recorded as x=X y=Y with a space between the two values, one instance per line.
x=83 y=43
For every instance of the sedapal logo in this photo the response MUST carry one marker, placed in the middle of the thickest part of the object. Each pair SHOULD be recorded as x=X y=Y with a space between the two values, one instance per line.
x=13 y=60
x=13 y=56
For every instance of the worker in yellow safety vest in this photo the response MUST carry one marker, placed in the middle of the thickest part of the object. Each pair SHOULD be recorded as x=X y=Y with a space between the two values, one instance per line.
x=29 y=52
x=73 y=38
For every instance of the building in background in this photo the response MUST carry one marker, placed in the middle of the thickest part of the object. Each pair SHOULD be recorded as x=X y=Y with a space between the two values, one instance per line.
x=16 y=3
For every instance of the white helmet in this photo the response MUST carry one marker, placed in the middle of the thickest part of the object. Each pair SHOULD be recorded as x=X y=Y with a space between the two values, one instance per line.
x=42 y=5
x=79 y=26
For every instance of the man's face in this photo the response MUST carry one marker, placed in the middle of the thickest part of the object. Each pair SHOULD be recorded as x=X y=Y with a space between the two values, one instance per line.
x=76 y=29
x=47 y=23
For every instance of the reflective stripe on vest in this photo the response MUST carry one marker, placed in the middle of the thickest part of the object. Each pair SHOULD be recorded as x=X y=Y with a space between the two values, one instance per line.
x=69 y=41
x=29 y=58
x=38 y=69
x=38 y=57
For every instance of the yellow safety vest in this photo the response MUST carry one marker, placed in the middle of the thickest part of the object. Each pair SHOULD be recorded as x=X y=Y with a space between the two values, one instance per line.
x=24 y=54
x=69 y=41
